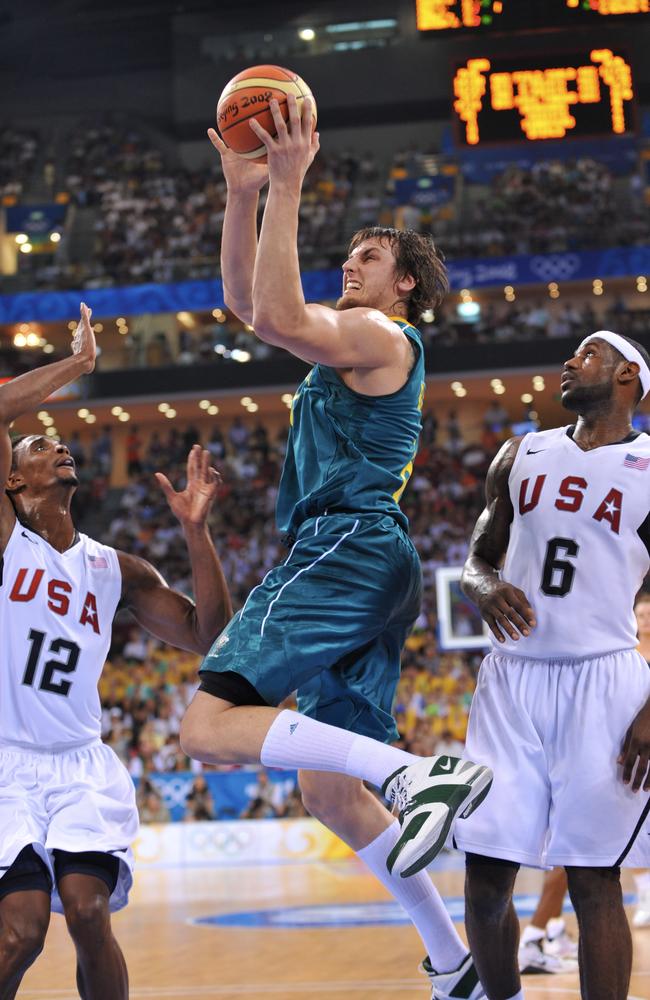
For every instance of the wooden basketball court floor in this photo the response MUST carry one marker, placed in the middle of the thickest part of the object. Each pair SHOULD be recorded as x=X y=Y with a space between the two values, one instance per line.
x=295 y=931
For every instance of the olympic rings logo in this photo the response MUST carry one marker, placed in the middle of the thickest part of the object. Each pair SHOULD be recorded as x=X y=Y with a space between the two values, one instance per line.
x=555 y=267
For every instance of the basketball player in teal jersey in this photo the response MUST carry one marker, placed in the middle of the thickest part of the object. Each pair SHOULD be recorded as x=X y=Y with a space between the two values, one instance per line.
x=332 y=620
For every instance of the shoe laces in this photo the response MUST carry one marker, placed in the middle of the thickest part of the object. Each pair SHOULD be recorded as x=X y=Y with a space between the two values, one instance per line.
x=400 y=793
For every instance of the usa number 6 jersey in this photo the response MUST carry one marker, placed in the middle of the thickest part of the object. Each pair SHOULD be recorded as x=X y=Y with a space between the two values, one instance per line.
x=56 y=616
x=578 y=542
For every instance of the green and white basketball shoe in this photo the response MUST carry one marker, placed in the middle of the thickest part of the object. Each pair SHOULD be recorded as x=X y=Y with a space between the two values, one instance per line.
x=429 y=795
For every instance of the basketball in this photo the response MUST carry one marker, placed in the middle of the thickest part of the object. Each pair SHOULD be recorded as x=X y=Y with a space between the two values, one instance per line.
x=247 y=96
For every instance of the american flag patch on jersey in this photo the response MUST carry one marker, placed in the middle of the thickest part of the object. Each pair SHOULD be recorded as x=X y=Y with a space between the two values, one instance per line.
x=98 y=562
x=636 y=462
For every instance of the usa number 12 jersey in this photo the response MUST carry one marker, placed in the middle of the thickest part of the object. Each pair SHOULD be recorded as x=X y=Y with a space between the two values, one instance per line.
x=56 y=616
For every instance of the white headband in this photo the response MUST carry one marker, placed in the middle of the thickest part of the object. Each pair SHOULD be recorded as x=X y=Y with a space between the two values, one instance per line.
x=629 y=352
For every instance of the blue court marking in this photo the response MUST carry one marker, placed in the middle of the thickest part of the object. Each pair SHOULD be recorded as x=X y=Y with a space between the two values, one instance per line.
x=353 y=914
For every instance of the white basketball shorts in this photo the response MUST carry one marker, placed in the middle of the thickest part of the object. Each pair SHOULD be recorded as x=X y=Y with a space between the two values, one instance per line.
x=73 y=800
x=552 y=731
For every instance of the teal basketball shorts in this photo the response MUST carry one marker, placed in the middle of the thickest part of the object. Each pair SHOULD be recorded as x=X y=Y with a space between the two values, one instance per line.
x=329 y=623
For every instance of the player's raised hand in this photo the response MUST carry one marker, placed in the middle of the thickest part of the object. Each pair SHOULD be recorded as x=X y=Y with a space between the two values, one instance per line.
x=83 y=339
x=193 y=504
x=506 y=609
x=291 y=152
x=241 y=174
x=636 y=751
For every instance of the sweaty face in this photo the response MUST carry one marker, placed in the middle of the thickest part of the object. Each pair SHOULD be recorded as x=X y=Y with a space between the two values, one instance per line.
x=588 y=377
x=369 y=277
x=42 y=462
x=642 y=612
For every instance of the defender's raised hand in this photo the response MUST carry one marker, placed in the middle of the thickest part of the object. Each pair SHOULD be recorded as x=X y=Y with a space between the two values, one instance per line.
x=83 y=339
x=291 y=152
x=193 y=504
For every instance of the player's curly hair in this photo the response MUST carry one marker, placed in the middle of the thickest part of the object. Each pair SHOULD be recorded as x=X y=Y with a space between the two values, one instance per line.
x=415 y=254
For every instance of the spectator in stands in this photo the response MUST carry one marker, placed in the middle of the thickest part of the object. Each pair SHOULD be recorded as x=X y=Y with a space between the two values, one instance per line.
x=133 y=450
x=238 y=435
x=452 y=427
x=136 y=647
x=199 y=804
x=267 y=799
x=496 y=418
x=152 y=809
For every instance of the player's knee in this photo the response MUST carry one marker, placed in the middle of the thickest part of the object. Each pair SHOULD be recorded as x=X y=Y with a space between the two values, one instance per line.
x=316 y=800
x=189 y=739
x=488 y=887
x=202 y=739
x=194 y=742
x=21 y=941
x=88 y=918
x=326 y=796
x=589 y=886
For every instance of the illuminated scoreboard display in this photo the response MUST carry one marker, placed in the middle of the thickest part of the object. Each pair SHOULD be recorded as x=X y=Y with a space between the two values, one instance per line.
x=543 y=97
x=504 y=15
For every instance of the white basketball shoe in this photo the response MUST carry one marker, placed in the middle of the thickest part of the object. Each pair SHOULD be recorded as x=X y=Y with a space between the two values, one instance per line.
x=533 y=960
x=463 y=984
x=558 y=941
x=428 y=795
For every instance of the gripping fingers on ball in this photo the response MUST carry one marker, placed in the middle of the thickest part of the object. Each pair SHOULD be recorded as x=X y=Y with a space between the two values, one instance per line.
x=294 y=114
x=279 y=122
x=261 y=133
x=217 y=141
x=307 y=117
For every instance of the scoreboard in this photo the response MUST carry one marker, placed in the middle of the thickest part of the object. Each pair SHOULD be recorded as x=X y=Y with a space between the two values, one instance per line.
x=579 y=94
x=522 y=15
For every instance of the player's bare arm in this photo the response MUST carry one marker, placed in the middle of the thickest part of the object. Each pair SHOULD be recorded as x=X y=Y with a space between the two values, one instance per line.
x=166 y=613
x=354 y=338
x=244 y=180
x=505 y=608
x=26 y=392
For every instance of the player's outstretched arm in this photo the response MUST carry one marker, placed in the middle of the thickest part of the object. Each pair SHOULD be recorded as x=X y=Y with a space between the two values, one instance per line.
x=505 y=608
x=244 y=180
x=166 y=613
x=355 y=338
x=25 y=392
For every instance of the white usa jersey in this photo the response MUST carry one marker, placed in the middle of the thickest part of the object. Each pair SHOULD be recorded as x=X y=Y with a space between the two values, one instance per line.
x=56 y=616
x=578 y=542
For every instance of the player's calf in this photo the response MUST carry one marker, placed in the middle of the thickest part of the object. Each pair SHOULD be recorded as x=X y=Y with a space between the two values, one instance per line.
x=605 y=941
x=24 y=919
x=491 y=923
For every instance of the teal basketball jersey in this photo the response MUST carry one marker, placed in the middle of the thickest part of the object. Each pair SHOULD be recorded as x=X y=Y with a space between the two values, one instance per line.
x=348 y=452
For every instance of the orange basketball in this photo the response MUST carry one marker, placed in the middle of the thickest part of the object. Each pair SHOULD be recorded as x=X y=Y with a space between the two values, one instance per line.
x=247 y=96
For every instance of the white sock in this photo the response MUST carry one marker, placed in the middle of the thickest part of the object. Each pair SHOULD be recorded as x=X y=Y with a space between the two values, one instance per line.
x=555 y=927
x=518 y=996
x=532 y=933
x=421 y=900
x=295 y=740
